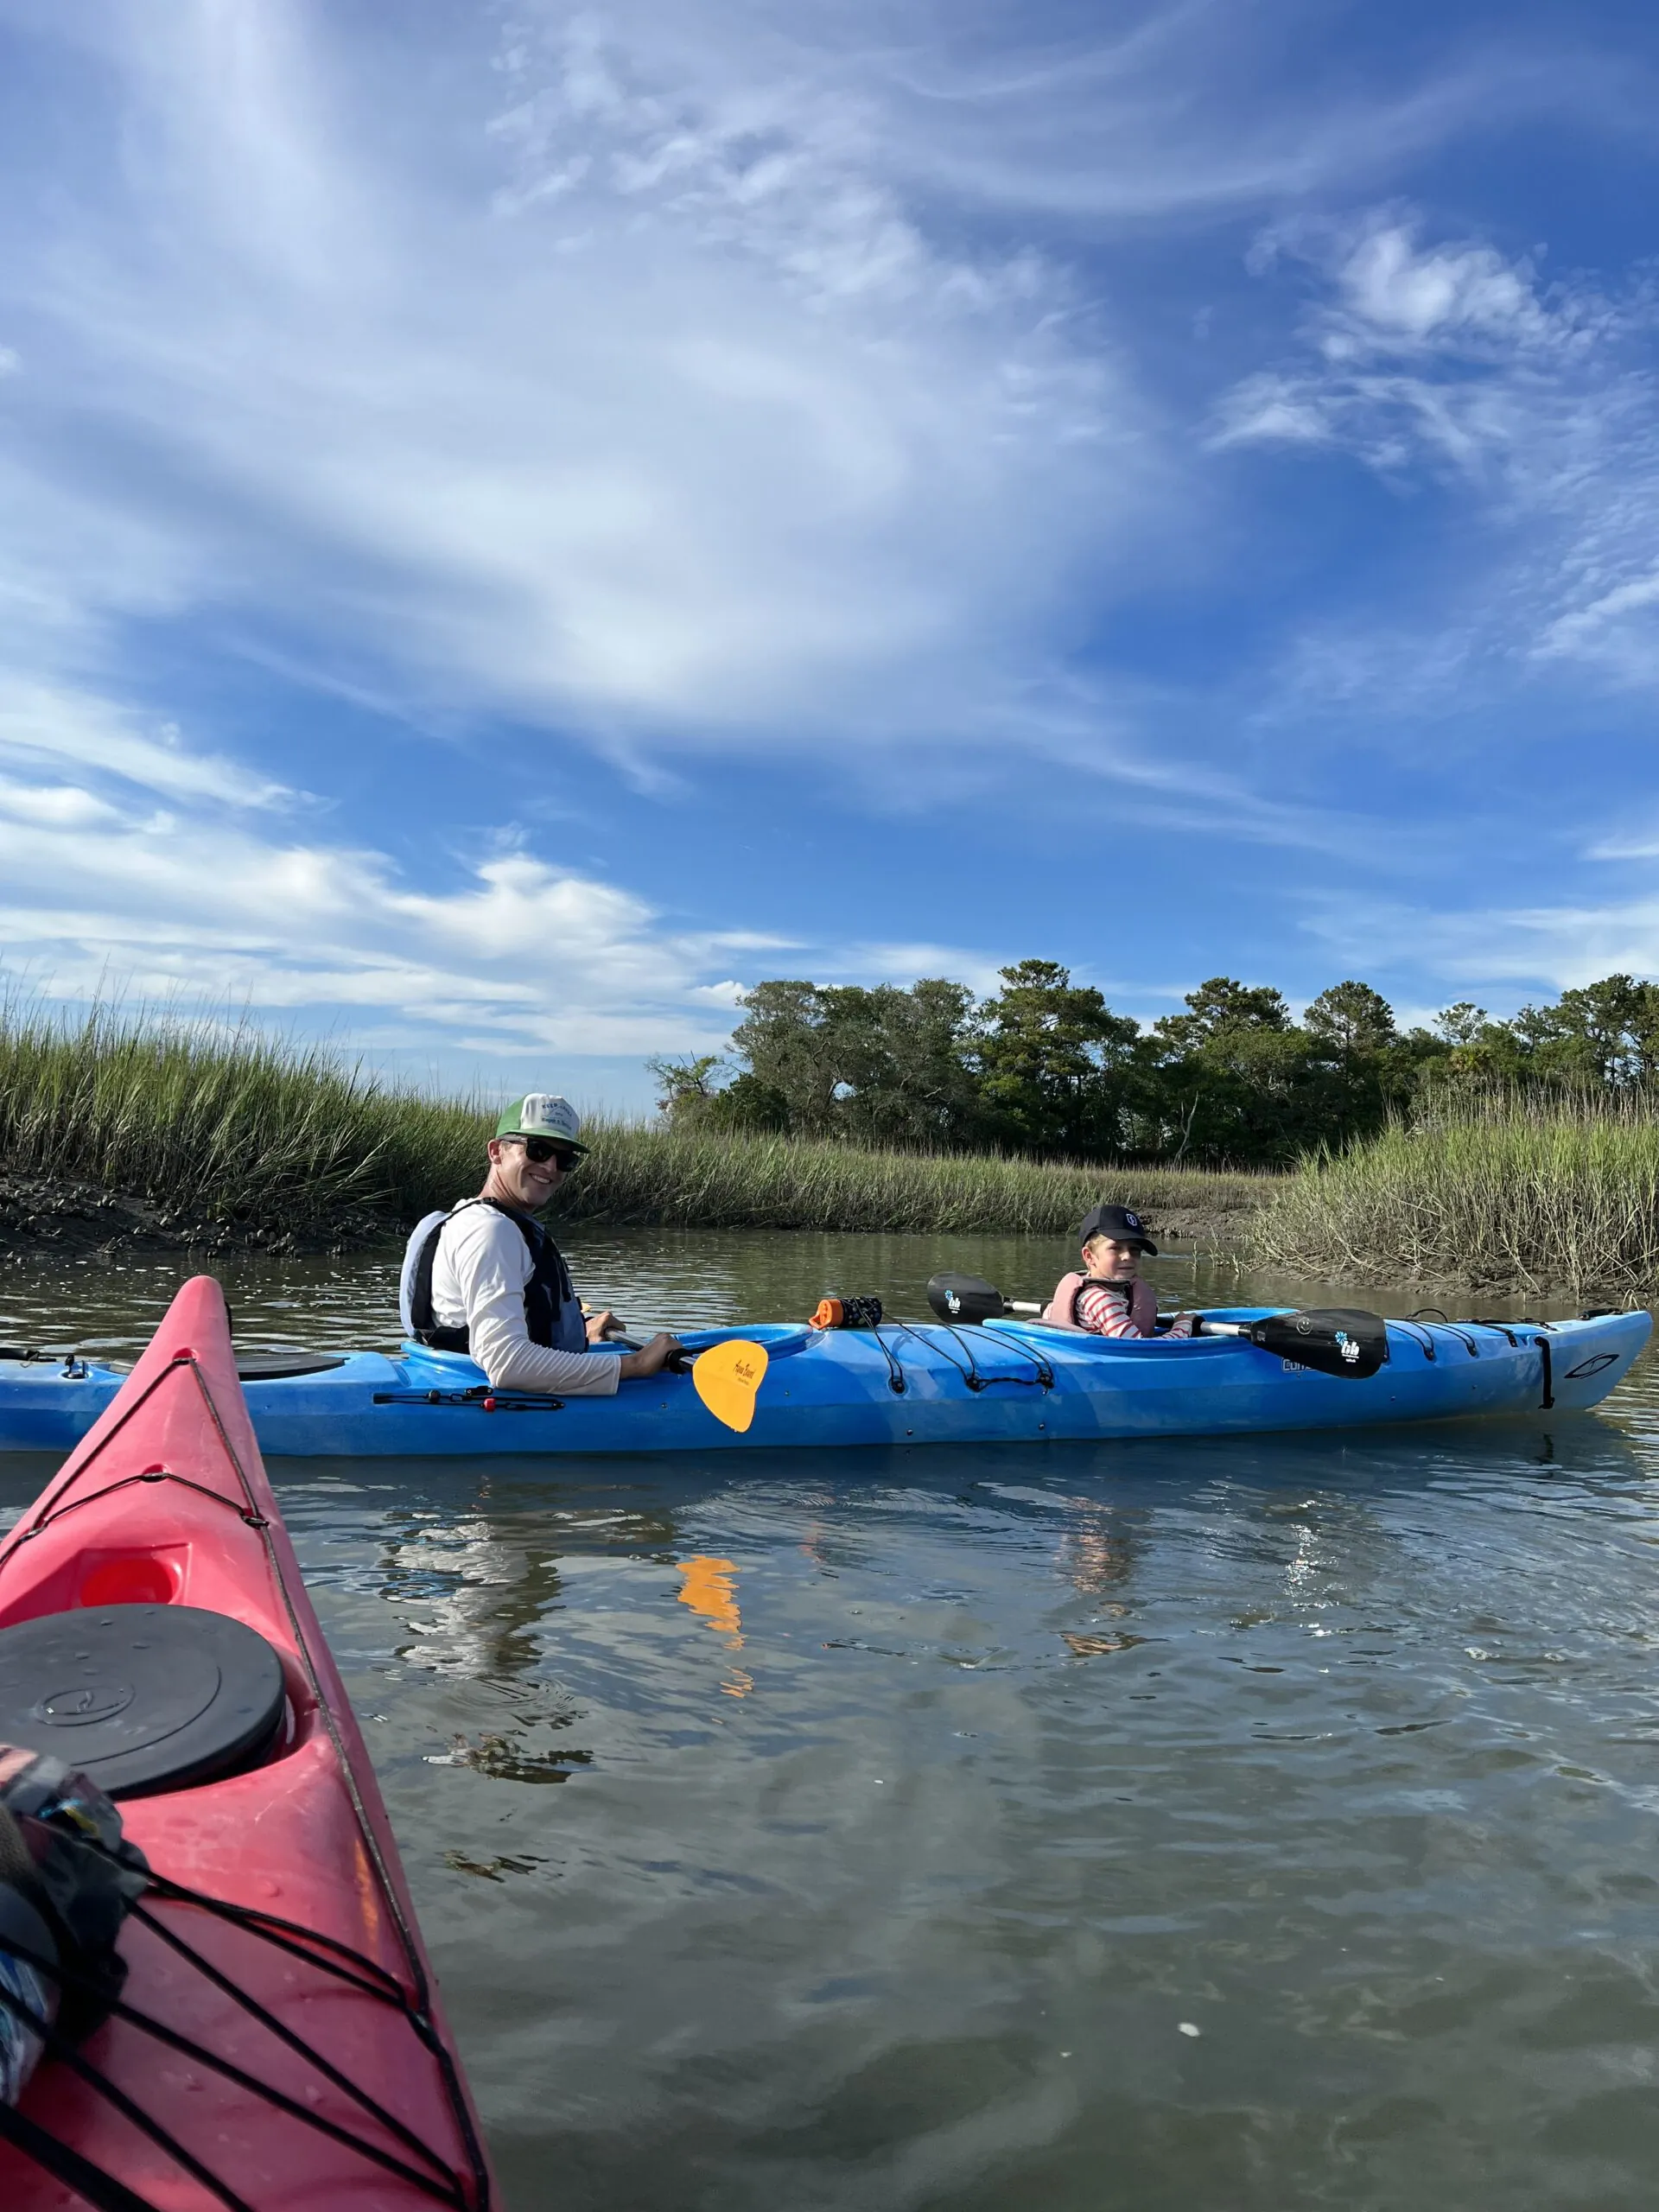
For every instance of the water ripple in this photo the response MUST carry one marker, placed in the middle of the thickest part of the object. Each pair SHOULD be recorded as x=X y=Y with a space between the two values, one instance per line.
x=1244 y=1823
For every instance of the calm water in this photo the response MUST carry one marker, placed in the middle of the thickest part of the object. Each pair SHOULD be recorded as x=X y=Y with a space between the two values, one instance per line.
x=1213 y=1826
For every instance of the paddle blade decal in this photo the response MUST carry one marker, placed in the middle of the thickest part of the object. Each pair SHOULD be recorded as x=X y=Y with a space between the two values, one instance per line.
x=1334 y=1340
x=964 y=1299
x=727 y=1378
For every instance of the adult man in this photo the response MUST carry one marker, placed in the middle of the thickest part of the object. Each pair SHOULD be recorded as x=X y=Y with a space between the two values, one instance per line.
x=486 y=1278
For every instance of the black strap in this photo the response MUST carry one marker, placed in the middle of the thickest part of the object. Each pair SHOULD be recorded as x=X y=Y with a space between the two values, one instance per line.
x=1548 y=1398
x=548 y=1289
x=426 y=1323
x=100 y=2189
x=1503 y=1329
x=1043 y=1375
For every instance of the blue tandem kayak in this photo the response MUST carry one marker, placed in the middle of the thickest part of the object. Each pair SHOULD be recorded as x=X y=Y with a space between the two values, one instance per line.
x=901 y=1384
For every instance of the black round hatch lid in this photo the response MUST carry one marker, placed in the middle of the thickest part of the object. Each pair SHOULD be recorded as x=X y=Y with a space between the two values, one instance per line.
x=141 y=1697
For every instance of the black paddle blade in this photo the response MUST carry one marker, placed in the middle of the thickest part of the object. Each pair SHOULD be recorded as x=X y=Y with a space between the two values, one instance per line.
x=964 y=1298
x=1332 y=1340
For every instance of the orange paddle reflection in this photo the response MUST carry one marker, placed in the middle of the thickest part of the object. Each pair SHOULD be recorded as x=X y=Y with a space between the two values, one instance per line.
x=710 y=1587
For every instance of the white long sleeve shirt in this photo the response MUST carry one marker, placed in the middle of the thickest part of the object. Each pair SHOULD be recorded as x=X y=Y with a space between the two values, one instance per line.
x=478 y=1274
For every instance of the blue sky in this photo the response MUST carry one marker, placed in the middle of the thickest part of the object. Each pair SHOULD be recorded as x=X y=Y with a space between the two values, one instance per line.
x=516 y=522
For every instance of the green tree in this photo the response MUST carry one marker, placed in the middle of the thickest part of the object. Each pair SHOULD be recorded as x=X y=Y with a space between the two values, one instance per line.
x=1462 y=1024
x=1476 y=1053
x=684 y=1085
x=1605 y=1032
x=1046 y=1067
x=1223 y=1009
x=1053 y=1063
x=745 y=1102
x=907 y=1080
x=884 y=1066
x=795 y=1044
x=690 y=1096
x=1236 y=1081
x=1353 y=1018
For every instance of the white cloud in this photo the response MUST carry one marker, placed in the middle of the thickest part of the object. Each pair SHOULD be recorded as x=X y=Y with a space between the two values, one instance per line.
x=719 y=375
x=711 y=374
x=58 y=804
x=1538 y=947
x=1443 y=355
x=100 y=896
x=633 y=392
x=1532 y=409
x=45 y=726
x=905 y=963
x=1626 y=845
x=1107 y=116
x=1398 y=294
x=1588 y=625
x=218 y=909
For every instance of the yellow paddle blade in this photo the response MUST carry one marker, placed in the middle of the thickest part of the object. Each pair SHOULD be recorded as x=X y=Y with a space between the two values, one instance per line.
x=728 y=1375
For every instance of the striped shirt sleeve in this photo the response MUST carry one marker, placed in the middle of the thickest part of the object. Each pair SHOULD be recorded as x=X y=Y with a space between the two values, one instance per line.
x=1105 y=1310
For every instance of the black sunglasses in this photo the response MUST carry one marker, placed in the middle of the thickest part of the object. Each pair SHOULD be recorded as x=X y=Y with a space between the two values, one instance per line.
x=542 y=1149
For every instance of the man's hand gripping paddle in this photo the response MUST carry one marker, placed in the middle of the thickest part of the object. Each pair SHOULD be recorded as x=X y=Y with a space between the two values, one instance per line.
x=725 y=1378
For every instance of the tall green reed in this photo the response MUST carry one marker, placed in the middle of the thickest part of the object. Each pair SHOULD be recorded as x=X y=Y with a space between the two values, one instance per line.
x=1540 y=1189
x=763 y=1181
x=223 y=1123
x=218 y=1122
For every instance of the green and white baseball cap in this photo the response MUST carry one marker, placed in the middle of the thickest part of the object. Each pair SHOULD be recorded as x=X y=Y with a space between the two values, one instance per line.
x=543 y=1114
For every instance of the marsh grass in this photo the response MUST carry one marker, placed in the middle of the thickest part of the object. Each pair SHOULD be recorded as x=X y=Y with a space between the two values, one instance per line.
x=1542 y=1190
x=218 y=1122
x=222 y=1123
x=637 y=1174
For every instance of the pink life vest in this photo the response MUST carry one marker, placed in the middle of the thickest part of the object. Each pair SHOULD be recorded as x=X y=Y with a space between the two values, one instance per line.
x=1062 y=1309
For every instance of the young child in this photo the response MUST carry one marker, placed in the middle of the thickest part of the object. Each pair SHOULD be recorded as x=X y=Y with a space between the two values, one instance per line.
x=1110 y=1299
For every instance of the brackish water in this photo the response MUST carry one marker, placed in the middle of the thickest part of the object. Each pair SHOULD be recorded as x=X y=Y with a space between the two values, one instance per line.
x=1233 y=1826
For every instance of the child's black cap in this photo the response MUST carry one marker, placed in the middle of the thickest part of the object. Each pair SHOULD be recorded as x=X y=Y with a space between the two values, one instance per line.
x=1121 y=1223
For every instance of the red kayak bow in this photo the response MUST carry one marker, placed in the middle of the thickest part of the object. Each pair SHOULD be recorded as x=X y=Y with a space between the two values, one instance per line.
x=279 y=2042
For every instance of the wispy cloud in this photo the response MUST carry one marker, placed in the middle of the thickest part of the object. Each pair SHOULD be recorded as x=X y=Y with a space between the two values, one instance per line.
x=1533 y=403
x=812 y=384
x=522 y=952
x=1418 y=354
x=689 y=377
x=1537 y=949
x=44 y=726
x=517 y=955
x=651 y=406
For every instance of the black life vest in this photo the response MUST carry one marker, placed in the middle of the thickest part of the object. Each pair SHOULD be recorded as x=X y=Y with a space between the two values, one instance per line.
x=552 y=1315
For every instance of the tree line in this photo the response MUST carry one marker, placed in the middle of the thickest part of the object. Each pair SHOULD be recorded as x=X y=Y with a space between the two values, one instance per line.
x=1046 y=1068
